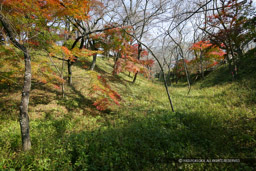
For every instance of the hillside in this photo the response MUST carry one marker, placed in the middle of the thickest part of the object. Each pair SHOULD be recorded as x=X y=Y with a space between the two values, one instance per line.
x=215 y=121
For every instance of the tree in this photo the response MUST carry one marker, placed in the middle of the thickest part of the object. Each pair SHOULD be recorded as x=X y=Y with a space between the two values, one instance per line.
x=20 y=14
x=126 y=59
x=139 y=14
x=100 y=17
x=24 y=23
x=206 y=53
x=200 y=50
x=161 y=67
x=226 y=26
x=181 y=54
x=24 y=118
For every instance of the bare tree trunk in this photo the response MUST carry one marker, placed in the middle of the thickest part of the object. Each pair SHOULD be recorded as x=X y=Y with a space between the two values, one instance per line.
x=184 y=63
x=116 y=59
x=70 y=63
x=187 y=74
x=24 y=118
x=230 y=65
x=167 y=91
x=62 y=77
x=139 y=54
x=93 y=62
x=162 y=70
x=69 y=72
x=135 y=77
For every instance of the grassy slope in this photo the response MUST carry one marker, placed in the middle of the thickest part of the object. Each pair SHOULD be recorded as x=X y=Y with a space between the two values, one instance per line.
x=214 y=121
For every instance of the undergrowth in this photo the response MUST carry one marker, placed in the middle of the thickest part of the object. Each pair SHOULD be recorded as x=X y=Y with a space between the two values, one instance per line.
x=215 y=121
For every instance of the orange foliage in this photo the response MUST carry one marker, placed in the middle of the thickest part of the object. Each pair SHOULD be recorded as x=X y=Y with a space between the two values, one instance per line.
x=108 y=95
x=68 y=53
x=211 y=55
x=201 y=45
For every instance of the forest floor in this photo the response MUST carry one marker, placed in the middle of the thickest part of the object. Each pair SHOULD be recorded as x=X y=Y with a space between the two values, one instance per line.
x=215 y=121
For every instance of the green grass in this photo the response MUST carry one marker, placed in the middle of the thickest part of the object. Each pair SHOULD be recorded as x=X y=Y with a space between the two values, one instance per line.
x=215 y=121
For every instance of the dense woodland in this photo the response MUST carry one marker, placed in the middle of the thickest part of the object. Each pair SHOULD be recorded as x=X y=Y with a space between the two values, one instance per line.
x=127 y=85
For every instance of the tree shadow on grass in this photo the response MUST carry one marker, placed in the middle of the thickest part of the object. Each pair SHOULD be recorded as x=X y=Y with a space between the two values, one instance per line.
x=9 y=109
x=218 y=77
x=11 y=99
x=154 y=142
x=157 y=142
x=117 y=79
x=9 y=104
x=76 y=102
x=87 y=64
x=109 y=76
x=81 y=99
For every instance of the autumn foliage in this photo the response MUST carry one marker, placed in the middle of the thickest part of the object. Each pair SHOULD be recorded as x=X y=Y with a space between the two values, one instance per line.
x=40 y=26
x=205 y=53
x=129 y=61
x=105 y=96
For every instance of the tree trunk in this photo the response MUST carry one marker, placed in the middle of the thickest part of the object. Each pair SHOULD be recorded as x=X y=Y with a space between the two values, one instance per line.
x=187 y=74
x=135 y=77
x=231 y=65
x=93 y=62
x=69 y=72
x=139 y=53
x=116 y=59
x=70 y=63
x=159 y=63
x=167 y=91
x=62 y=77
x=24 y=118
x=169 y=82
